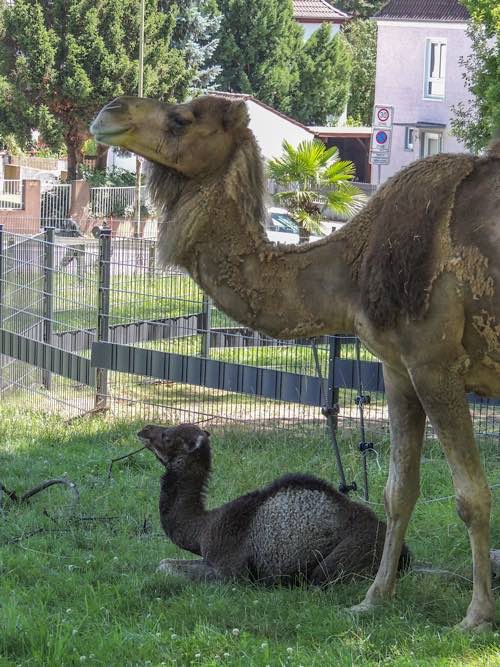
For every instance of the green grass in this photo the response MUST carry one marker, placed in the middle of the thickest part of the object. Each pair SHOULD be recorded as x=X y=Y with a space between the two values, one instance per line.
x=85 y=591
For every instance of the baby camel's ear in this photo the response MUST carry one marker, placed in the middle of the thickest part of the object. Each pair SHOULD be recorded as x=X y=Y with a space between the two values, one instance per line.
x=236 y=116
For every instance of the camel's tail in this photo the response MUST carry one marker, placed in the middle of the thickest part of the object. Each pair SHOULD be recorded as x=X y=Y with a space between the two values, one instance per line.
x=494 y=147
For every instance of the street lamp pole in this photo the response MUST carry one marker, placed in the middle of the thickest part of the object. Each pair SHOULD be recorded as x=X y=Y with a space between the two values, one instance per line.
x=140 y=93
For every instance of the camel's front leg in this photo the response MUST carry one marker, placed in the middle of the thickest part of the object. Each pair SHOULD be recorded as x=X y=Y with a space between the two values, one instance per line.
x=443 y=395
x=407 y=423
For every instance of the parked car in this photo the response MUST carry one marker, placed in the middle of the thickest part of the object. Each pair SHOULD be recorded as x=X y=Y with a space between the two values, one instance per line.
x=282 y=228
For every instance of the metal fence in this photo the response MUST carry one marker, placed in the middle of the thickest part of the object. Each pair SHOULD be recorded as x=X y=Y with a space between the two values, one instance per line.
x=92 y=323
x=114 y=201
x=55 y=202
x=11 y=194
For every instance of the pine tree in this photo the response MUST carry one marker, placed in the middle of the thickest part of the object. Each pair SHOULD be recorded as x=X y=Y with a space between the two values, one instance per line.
x=258 y=47
x=61 y=60
x=323 y=87
x=362 y=38
x=196 y=35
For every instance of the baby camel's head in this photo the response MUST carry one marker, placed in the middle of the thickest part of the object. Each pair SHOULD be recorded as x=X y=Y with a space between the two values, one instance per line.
x=176 y=445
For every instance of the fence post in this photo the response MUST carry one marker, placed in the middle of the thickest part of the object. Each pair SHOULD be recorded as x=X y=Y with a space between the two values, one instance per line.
x=335 y=346
x=206 y=325
x=104 y=284
x=48 y=295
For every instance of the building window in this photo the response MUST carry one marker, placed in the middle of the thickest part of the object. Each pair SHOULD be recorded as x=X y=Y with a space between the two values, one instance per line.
x=432 y=143
x=435 y=69
x=409 y=138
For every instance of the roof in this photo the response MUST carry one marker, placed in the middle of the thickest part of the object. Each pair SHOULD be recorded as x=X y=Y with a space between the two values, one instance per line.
x=423 y=10
x=251 y=98
x=341 y=132
x=320 y=10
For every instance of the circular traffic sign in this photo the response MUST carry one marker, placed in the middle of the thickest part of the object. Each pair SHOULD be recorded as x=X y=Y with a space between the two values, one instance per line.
x=383 y=114
x=381 y=137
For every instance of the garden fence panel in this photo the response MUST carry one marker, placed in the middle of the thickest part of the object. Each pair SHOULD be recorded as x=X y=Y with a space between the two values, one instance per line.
x=11 y=194
x=161 y=348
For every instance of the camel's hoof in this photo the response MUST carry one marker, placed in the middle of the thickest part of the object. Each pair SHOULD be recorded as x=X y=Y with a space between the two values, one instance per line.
x=468 y=625
x=363 y=607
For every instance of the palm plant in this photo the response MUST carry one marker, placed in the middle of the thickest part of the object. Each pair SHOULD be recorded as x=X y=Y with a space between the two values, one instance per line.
x=317 y=179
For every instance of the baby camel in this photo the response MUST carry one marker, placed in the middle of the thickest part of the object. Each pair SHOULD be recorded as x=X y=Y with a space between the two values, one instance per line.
x=299 y=528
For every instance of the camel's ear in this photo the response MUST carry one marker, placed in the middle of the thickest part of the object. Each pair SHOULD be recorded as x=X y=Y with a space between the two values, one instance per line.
x=207 y=433
x=236 y=116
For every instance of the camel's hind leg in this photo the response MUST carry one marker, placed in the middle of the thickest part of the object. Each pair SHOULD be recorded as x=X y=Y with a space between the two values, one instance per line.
x=407 y=423
x=443 y=395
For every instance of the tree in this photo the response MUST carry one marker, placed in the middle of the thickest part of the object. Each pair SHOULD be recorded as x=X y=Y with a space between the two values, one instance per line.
x=360 y=8
x=196 y=35
x=318 y=179
x=362 y=38
x=476 y=122
x=324 y=75
x=257 y=50
x=61 y=60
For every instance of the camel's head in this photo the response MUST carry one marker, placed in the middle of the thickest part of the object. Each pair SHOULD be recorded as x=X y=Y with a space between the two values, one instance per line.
x=176 y=444
x=195 y=139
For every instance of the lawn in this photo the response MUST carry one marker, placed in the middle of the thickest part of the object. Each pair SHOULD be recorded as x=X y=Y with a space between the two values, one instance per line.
x=78 y=586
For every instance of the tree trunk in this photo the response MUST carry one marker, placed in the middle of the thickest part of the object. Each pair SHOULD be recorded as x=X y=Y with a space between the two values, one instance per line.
x=74 y=145
x=303 y=234
x=101 y=157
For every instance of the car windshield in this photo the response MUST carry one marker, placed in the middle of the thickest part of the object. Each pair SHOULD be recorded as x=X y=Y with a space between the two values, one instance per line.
x=282 y=222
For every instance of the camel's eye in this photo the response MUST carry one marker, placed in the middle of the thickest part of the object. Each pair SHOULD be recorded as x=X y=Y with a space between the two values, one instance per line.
x=180 y=122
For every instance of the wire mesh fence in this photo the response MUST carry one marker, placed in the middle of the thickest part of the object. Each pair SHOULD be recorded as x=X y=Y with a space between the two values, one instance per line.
x=167 y=353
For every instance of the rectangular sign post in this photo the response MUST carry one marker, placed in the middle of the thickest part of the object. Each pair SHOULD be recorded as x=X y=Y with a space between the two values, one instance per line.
x=380 y=146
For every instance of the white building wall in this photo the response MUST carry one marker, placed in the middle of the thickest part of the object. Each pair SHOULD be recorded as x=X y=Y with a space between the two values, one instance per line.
x=309 y=28
x=270 y=129
x=401 y=57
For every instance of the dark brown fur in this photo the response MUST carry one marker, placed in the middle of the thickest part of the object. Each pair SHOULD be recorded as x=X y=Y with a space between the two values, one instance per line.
x=219 y=535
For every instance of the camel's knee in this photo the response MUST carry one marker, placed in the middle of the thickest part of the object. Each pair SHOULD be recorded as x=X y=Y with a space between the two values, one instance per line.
x=474 y=507
x=400 y=499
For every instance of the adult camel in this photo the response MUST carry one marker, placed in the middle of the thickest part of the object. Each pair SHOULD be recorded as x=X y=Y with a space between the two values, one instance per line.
x=416 y=275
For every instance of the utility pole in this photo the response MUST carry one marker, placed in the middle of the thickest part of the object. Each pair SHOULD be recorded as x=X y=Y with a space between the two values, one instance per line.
x=138 y=161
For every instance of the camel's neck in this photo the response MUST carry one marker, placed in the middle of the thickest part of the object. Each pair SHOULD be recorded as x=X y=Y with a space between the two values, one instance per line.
x=215 y=230
x=182 y=507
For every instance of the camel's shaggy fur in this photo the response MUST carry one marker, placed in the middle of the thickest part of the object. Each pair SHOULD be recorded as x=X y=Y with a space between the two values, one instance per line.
x=298 y=528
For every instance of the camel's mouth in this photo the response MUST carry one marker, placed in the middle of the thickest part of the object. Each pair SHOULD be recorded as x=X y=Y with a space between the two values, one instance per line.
x=110 y=135
x=112 y=123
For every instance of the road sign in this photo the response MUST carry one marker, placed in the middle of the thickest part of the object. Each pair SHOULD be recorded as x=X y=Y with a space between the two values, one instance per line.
x=380 y=148
x=383 y=116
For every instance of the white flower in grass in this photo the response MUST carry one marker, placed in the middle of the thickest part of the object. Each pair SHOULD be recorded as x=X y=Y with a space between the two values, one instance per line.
x=263 y=645
x=69 y=610
x=289 y=649
x=235 y=632
x=83 y=658
x=226 y=655
x=197 y=655
x=74 y=631
x=173 y=636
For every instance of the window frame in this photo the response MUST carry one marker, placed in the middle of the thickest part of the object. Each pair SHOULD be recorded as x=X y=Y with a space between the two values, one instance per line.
x=441 y=41
x=438 y=135
x=409 y=145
